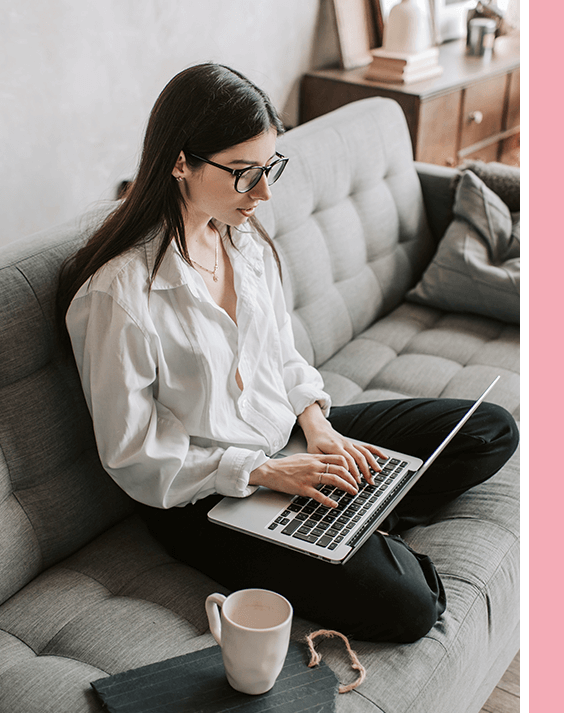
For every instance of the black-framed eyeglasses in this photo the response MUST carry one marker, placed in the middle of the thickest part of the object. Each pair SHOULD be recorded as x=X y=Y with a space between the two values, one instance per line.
x=247 y=178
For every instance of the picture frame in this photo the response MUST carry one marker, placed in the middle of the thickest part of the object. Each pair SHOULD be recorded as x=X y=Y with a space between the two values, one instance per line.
x=380 y=12
x=355 y=31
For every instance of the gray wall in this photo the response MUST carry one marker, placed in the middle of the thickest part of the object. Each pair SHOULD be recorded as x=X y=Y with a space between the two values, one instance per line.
x=79 y=77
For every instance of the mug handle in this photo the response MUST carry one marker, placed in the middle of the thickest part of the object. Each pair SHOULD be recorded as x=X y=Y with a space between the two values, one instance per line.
x=213 y=602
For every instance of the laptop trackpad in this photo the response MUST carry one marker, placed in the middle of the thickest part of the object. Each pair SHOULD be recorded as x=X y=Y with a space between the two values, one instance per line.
x=250 y=513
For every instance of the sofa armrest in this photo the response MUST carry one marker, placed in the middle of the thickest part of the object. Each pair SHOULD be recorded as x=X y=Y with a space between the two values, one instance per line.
x=438 y=184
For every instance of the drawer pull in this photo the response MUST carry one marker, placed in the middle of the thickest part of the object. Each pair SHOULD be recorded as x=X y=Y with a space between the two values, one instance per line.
x=475 y=116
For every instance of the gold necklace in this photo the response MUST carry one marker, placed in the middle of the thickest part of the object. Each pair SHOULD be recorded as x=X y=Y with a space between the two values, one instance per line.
x=213 y=272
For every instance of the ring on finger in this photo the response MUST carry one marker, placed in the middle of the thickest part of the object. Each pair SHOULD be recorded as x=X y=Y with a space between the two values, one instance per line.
x=324 y=472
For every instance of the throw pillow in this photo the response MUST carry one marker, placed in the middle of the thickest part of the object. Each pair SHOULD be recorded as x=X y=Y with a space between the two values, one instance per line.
x=477 y=265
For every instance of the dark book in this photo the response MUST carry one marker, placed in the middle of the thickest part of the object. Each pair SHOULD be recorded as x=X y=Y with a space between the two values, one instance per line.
x=196 y=683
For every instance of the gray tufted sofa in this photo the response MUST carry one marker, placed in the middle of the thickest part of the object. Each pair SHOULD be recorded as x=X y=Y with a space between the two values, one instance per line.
x=86 y=592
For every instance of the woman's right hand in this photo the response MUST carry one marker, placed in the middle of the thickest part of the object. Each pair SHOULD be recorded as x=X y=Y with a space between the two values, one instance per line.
x=302 y=474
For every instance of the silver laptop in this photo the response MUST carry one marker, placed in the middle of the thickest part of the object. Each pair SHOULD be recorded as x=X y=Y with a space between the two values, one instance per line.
x=331 y=534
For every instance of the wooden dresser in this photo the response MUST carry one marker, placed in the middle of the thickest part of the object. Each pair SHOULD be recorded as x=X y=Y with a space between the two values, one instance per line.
x=470 y=111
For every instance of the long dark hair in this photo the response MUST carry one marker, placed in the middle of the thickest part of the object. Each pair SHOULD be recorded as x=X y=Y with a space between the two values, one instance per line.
x=204 y=109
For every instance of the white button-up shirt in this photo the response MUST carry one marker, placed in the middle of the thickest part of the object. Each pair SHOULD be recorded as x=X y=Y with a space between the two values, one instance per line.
x=158 y=372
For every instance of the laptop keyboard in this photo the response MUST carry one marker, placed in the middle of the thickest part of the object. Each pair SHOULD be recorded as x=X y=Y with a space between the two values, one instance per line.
x=308 y=520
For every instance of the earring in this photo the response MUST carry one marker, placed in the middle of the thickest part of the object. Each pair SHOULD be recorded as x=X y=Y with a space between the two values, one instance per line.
x=179 y=178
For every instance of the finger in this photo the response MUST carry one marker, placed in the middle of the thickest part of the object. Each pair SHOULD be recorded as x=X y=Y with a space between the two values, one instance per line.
x=344 y=464
x=374 y=465
x=360 y=456
x=322 y=499
x=316 y=494
x=371 y=453
x=341 y=472
x=359 y=461
x=375 y=451
x=351 y=464
x=340 y=480
x=335 y=459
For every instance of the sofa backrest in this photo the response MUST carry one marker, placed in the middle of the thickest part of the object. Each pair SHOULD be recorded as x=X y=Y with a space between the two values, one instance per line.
x=54 y=494
x=348 y=221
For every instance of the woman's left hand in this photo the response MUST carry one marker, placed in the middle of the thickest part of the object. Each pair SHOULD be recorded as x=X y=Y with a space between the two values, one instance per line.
x=322 y=438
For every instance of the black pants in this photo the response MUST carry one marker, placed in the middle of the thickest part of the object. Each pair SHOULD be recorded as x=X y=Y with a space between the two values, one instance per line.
x=386 y=591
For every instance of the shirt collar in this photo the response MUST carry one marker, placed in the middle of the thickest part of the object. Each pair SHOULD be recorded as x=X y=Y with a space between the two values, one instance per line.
x=174 y=271
x=249 y=247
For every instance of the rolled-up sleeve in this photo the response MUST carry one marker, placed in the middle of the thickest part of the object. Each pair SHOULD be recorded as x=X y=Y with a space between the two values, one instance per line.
x=142 y=445
x=303 y=382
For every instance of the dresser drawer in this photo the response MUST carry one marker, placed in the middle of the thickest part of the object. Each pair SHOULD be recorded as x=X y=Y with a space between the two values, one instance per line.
x=438 y=130
x=482 y=110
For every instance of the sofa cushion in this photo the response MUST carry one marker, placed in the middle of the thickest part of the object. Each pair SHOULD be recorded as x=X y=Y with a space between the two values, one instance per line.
x=419 y=351
x=477 y=265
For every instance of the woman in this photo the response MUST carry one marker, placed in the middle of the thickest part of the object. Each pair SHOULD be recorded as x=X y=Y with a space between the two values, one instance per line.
x=179 y=329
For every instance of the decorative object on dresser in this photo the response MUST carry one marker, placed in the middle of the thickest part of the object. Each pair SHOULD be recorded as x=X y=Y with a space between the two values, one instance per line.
x=408 y=28
x=481 y=37
x=381 y=10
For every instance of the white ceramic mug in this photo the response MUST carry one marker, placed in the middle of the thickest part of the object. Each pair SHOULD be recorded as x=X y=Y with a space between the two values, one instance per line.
x=254 y=633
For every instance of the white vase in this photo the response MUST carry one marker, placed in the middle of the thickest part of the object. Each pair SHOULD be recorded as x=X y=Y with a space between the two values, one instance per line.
x=407 y=29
